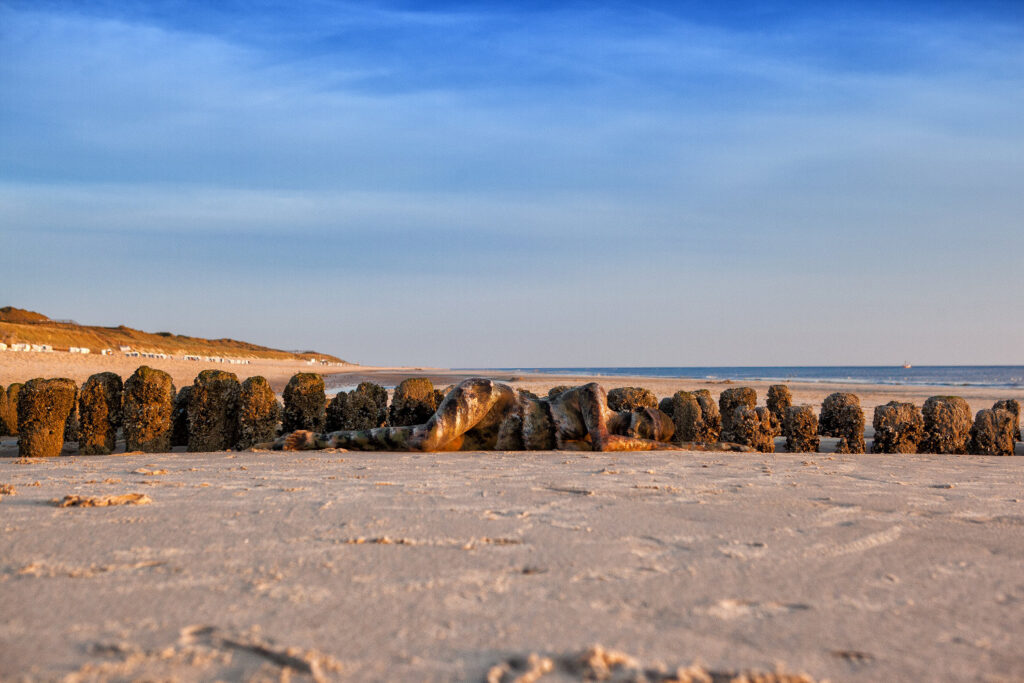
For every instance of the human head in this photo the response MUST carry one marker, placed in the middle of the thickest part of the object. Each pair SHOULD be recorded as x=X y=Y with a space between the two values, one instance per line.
x=649 y=423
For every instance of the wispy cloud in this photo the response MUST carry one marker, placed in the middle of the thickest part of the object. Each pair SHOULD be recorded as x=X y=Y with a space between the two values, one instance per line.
x=528 y=155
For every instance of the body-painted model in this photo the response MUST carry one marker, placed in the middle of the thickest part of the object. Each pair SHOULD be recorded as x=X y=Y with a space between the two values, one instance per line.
x=480 y=414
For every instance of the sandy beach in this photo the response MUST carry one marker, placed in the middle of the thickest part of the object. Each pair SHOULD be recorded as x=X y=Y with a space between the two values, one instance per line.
x=356 y=566
x=440 y=567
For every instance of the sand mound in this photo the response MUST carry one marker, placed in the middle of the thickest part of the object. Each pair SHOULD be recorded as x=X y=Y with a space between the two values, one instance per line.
x=599 y=664
x=104 y=501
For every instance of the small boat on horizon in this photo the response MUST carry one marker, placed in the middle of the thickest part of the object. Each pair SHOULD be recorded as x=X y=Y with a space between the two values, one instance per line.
x=907 y=365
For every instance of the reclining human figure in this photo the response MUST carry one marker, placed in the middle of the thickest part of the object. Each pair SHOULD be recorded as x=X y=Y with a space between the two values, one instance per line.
x=480 y=414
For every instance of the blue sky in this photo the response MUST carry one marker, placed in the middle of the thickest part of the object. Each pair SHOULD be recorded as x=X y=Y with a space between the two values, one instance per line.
x=510 y=184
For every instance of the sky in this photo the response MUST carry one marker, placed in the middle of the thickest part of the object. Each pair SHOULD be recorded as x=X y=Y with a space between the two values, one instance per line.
x=498 y=184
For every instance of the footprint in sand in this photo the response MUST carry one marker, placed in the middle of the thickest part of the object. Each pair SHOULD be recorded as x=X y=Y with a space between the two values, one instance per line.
x=732 y=608
x=858 y=546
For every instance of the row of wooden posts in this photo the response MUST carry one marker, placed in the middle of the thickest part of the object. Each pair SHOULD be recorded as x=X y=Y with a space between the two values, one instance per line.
x=944 y=425
x=217 y=412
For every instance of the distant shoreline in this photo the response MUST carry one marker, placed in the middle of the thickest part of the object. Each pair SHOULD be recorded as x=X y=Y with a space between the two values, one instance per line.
x=988 y=376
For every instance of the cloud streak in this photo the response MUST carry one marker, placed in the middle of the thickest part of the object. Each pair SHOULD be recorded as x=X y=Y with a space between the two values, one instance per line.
x=525 y=157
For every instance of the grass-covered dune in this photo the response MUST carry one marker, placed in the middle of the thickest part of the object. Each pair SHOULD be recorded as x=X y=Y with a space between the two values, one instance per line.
x=28 y=327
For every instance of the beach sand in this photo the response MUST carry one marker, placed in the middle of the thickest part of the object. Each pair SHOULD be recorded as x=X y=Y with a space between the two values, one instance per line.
x=442 y=566
x=21 y=366
x=361 y=566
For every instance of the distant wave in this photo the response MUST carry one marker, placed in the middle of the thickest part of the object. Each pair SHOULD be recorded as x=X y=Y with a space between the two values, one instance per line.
x=1002 y=376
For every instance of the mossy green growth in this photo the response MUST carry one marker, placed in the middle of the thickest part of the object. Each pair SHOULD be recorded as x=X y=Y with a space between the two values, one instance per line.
x=848 y=425
x=71 y=423
x=780 y=398
x=258 y=413
x=335 y=414
x=43 y=409
x=9 y=410
x=687 y=417
x=146 y=411
x=6 y=426
x=305 y=403
x=801 y=429
x=753 y=427
x=831 y=421
x=947 y=425
x=709 y=412
x=366 y=407
x=1012 y=406
x=899 y=428
x=99 y=413
x=728 y=402
x=412 y=403
x=631 y=398
x=992 y=432
x=213 y=411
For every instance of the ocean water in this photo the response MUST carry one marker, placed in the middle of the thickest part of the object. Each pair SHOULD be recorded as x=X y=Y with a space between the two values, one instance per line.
x=941 y=375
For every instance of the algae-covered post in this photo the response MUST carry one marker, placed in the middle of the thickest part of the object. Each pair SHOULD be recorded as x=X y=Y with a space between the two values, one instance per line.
x=947 y=425
x=1012 y=406
x=694 y=415
x=899 y=428
x=829 y=421
x=305 y=403
x=848 y=425
x=801 y=429
x=13 y=391
x=710 y=414
x=71 y=423
x=753 y=427
x=147 y=406
x=729 y=402
x=631 y=398
x=841 y=416
x=366 y=407
x=412 y=403
x=43 y=409
x=335 y=416
x=258 y=413
x=686 y=415
x=992 y=433
x=99 y=413
x=213 y=411
x=779 y=399
x=9 y=410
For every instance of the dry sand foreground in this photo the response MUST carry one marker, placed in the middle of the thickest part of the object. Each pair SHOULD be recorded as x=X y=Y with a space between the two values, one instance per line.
x=439 y=567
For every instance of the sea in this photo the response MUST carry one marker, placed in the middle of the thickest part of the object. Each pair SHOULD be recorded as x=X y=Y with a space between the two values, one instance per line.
x=1006 y=376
